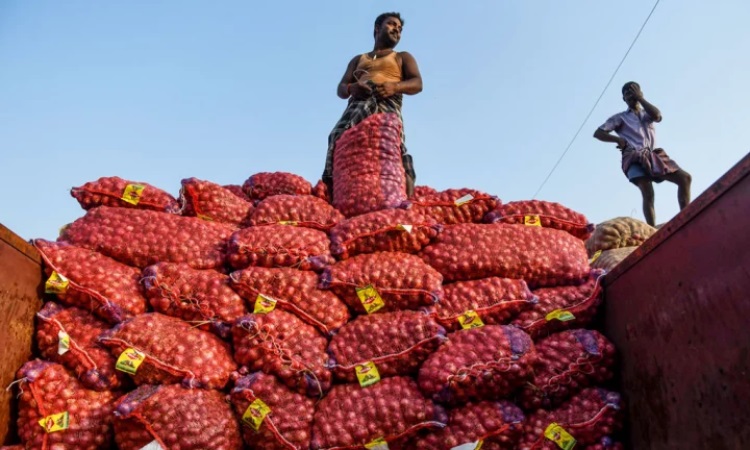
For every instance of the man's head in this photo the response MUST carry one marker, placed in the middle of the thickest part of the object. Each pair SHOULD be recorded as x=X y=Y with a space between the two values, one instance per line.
x=629 y=91
x=388 y=28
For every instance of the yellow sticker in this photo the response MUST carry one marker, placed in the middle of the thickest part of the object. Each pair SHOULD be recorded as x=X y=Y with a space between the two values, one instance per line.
x=463 y=200
x=132 y=193
x=56 y=284
x=367 y=373
x=264 y=305
x=559 y=436
x=470 y=319
x=129 y=361
x=532 y=221
x=561 y=315
x=470 y=446
x=370 y=298
x=55 y=422
x=595 y=257
x=204 y=217
x=255 y=413
x=292 y=223
x=377 y=444
x=63 y=342
x=405 y=227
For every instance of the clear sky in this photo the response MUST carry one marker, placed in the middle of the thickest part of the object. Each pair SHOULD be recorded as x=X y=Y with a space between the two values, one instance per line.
x=161 y=91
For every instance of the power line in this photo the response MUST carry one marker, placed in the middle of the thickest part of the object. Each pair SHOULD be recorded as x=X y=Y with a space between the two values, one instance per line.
x=597 y=100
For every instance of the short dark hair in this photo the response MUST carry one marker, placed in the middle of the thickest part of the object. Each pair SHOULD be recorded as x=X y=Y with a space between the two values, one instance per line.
x=628 y=84
x=381 y=18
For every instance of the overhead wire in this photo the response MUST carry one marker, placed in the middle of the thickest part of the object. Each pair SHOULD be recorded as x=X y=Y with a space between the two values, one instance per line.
x=570 y=144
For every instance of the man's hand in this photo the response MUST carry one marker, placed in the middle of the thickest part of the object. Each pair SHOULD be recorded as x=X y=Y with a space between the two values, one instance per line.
x=387 y=89
x=360 y=90
x=621 y=143
x=634 y=92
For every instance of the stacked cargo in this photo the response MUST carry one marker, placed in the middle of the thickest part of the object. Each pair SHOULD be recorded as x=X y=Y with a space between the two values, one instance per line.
x=262 y=317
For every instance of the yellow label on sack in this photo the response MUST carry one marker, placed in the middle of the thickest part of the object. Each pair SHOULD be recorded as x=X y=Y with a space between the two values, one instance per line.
x=132 y=193
x=56 y=284
x=377 y=444
x=63 y=342
x=470 y=446
x=288 y=222
x=367 y=373
x=561 y=315
x=204 y=217
x=370 y=298
x=264 y=305
x=129 y=361
x=595 y=256
x=405 y=227
x=463 y=200
x=532 y=221
x=559 y=436
x=470 y=319
x=255 y=414
x=55 y=422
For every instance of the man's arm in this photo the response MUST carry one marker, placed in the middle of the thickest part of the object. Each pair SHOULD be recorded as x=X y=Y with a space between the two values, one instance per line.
x=349 y=86
x=607 y=136
x=650 y=109
x=410 y=84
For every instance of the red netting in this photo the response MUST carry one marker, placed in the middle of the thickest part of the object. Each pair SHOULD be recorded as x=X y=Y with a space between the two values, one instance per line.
x=402 y=281
x=368 y=173
x=485 y=363
x=320 y=190
x=300 y=210
x=210 y=201
x=69 y=336
x=393 y=409
x=176 y=418
x=288 y=425
x=281 y=344
x=539 y=256
x=391 y=230
x=114 y=191
x=201 y=297
x=141 y=238
x=549 y=214
x=266 y=184
x=97 y=283
x=455 y=206
x=236 y=189
x=397 y=343
x=295 y=291
x=279 y=246
x=173 y=351
x=422 y=191
x=494 y=300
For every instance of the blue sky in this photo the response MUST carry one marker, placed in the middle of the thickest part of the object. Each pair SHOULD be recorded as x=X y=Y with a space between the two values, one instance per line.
x=161 y=91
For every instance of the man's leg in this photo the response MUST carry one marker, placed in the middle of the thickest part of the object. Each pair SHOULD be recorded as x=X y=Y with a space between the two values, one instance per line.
x=683 y=181
x=647 y=191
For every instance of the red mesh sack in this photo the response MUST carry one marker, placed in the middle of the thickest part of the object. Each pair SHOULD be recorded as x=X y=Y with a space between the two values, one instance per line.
x=368 y=173
x=422 y=191
x=544 y=214
x=55 y=411
x=175 y=418
x=320 y=190
x=562 y=308
x=267 y=184
x=158 y=349
x=454 y=206
x=236 y=189
x=396 y=343
x=391 y=230
x=568 y=362
x=202 y=297
x=141 y=238
x=69 y=336
x=497 y=425
x=485 y=363
x=89 y=280
x=114 y=191
x=350 y=416
x=540 y=256
x=587 y=418
x=279 y=246
x=606 y=443
x=489 y=301
x=292 y=290
x=287 y=423
x=279 y=343
x=381 y=282
x=210 y=201
x=300 y=210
